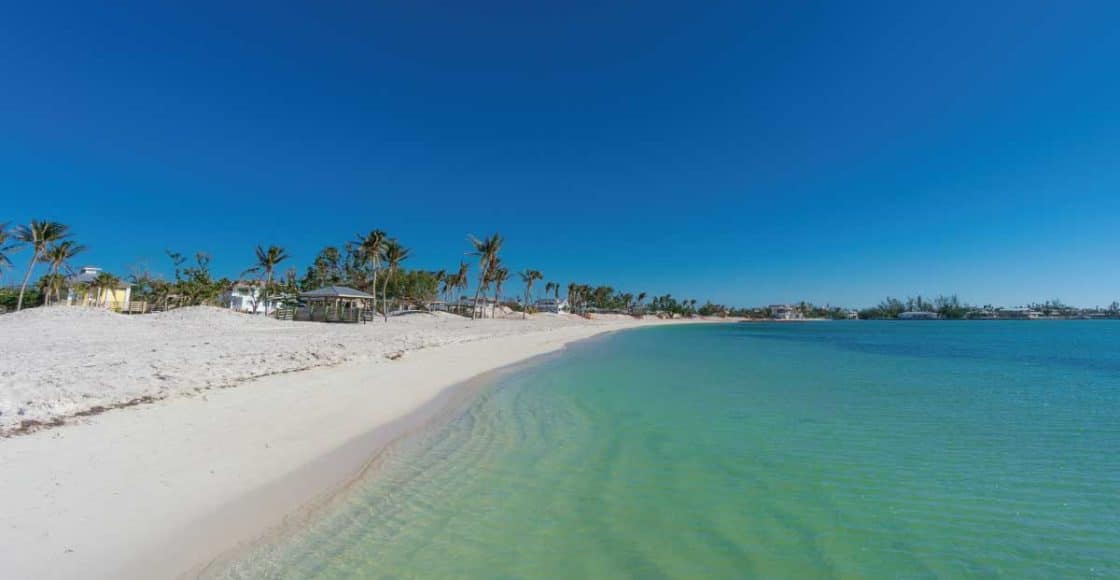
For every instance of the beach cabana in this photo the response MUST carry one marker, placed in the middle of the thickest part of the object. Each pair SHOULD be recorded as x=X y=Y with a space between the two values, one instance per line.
x=337 y=304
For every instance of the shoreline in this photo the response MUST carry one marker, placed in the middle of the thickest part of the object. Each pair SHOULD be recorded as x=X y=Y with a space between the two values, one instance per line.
x=207 y=475
x=371 y=450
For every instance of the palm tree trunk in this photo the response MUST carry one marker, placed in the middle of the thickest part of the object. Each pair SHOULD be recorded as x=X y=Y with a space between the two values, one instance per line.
x=48 y=290
x=384 y=302
x=26 y=277
x=374 y=290
x=477 y=292
x=267 y=283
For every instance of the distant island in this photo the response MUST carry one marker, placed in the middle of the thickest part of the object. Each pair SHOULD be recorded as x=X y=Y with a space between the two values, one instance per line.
x=940 y=308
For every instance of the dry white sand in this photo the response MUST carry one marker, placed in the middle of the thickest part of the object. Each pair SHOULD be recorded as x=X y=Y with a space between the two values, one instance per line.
x=158 y=489
x=60 y=362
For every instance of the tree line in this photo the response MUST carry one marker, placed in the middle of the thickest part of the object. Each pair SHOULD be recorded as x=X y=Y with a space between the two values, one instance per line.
x=373 y=262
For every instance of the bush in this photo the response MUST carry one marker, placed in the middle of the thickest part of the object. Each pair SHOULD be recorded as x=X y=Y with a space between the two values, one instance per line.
x=9 y=297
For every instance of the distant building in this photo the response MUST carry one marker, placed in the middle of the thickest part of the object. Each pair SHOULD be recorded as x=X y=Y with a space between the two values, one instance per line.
x=1017 y=314
x=918 y=315
x=553 y=305
x=336 y=304
x=247 y=296
x=484 y=307
x=785 y=312
x=852 y=314
x=82 y=291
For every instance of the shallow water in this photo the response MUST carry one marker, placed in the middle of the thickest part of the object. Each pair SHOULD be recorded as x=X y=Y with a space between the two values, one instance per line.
x=848 y=449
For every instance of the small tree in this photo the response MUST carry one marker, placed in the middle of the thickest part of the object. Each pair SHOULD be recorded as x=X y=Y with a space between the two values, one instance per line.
x=528 y=277
x=104 y=283
x=38 y=235
x=487 y=252
x=266 y=265
x=371 y=249
x=392 y=256
x=499 y=275
x=58 y=256
x=6 y=248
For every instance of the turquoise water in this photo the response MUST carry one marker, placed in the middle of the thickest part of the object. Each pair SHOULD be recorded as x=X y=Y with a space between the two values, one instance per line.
x=847 y=449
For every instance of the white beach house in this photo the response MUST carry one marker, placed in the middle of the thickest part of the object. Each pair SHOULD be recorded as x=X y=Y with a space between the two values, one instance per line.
x=248 y=296
x=553 y=305
x=1018 y=314
x=785 y=312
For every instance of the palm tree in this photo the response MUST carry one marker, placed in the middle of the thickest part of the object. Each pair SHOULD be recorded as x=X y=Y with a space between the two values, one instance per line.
x=641 y=297
x=57 y=257
x=5 y=248
x=50 y=284
x=448 y=287
x=550 y=287
x=461 y=281
x=573 y=295
x=371 y=247
x=266 y=265
x=528 y=277
x=39 y=234
x=487 y=252
x=392 y=255
x=441 y=278
x=500 y=275
x=103 y=283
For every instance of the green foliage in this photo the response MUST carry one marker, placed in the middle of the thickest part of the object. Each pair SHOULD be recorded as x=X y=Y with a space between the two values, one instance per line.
x=486 y=250
x=50 y=284
x=949 y=307
x=889 y=308
x=6 y=248
x=194 y=284
x=1053 y=307
x=39 y=235
x=10 y=296
x=149 y=288
x=414 y=285
x=326 y=270
x=709 y=309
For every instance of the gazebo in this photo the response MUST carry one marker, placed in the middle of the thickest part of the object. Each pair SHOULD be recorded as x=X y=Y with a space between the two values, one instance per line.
x=337 y=304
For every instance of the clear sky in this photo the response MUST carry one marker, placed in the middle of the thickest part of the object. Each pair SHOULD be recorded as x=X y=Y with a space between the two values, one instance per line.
x=744 y=152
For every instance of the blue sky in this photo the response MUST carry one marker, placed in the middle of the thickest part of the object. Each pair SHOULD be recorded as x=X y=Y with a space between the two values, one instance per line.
x=744 y=152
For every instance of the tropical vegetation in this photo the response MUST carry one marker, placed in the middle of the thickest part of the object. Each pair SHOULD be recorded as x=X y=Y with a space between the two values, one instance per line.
x=375 y=263
x=38 y=235
x=267 y=260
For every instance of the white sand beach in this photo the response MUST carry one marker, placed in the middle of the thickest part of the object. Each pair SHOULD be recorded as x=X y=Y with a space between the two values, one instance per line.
x=190 y=468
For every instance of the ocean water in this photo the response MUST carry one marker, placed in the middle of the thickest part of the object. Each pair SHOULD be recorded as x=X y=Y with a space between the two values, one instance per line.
x=816 y=450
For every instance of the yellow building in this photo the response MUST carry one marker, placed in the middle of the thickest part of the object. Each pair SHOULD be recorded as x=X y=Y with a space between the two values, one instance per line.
x=84 y=291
